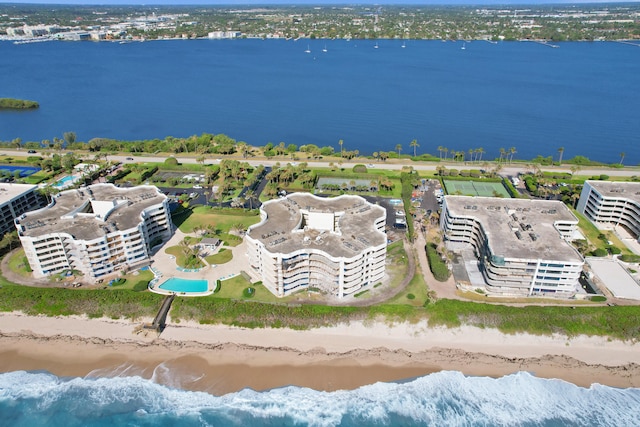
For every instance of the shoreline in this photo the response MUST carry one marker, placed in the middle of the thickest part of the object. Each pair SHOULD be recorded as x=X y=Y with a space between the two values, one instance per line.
x=220 y=359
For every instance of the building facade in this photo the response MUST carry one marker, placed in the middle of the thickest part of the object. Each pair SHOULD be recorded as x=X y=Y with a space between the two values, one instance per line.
x=333 y=245
x=16 y=199
x=96 y=230
x=609 y=204
x=522 y=246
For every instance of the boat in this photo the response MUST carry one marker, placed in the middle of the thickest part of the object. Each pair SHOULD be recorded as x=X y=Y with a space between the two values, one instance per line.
x=463 y=46
x=325 y=49
x=376 y=46
x=308 y=49
x=404 y=44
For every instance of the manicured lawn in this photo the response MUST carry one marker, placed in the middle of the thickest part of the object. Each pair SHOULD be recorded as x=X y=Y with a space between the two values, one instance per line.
x=181 y=260
x=591 y=232
x=223 y=256
x=17 y=264
x=223 y=220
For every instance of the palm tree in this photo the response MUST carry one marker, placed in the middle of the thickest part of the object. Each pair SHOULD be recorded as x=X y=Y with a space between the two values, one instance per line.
x=414 y=144
x=574 y=170
x=250 y=195
x=481 y=152
x=502 y=153
x=398 y=149
x=440 y=150
x=340 y=143
x=375 y=155
x=560 y=152
x=512 y=151
x=621 y=157
x=445 y=150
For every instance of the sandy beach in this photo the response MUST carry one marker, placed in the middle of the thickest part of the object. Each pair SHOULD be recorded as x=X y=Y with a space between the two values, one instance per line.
x=220 y=359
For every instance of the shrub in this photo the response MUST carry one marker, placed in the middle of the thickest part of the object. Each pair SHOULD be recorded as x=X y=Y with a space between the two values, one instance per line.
x=436 y=264
x=629 y=258
x=598 y=298
x=249 y=292
x=171 y=161
x=600 y=252
x=614 y=250
x=411 y=296
x=604 y=177
x=360 y=169
x=140 y=286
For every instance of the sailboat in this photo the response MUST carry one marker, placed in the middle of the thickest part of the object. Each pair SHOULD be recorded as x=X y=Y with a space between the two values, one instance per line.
x=308 y=49
x=463 y=46
x=325 y=49
x=404 y=44
x=376 y=46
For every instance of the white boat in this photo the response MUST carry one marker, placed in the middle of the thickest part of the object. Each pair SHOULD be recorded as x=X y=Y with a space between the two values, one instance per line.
x=463 y=46
x=325 y=49
x=308 y=50
x=376 y=46
x=404 y=44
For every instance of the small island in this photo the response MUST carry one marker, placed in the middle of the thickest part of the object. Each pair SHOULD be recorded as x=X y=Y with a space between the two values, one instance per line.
x=17 y=104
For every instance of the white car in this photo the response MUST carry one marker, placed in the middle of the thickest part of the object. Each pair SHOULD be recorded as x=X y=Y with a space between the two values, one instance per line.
x=197 y=186
x=370 y=165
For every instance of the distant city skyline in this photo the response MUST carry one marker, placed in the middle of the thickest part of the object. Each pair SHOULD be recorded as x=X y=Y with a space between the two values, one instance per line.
x=307 y=2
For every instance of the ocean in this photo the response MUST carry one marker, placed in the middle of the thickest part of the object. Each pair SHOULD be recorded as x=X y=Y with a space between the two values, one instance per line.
x=580 y=96
x=33 y=399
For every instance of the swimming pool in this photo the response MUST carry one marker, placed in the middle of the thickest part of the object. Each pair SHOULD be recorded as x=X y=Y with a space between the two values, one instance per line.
x=65 y=181
x=176 y=284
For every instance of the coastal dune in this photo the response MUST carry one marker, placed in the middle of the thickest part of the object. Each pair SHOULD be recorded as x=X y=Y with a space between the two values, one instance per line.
x=220 y=359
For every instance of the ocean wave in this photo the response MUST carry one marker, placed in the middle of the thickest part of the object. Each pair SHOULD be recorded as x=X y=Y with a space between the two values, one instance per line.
x=443 y=398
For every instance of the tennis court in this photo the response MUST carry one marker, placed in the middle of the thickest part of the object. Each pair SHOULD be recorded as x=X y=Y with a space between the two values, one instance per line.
x=475 y=188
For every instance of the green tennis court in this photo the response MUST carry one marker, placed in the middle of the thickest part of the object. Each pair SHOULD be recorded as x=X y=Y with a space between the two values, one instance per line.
x=475 y=188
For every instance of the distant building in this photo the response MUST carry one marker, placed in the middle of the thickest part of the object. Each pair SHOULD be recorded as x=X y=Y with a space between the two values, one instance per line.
x=224 y=34
x=16 y=199
x=96 y=230
x=335 y=245
x=521 y=245
x=610 y=204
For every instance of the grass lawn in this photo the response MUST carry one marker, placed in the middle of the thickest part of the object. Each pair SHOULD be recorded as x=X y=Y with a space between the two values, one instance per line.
x=233 y=288
x=181 y=260
x=474 y=296
x=223 y=256
x=591 y=232
x=223 y=220
x=416 y=287
x=17 y=263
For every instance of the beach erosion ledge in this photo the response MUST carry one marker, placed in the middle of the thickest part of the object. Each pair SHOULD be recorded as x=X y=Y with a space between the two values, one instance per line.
x=221 y=359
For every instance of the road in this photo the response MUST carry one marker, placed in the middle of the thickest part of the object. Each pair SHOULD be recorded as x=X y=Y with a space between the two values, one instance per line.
x=392 y=164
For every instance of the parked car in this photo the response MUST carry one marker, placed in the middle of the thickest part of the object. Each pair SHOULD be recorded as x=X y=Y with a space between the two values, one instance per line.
x=31 y=151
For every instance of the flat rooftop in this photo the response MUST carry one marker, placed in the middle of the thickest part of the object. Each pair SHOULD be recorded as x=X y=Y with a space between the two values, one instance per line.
x=122 y=207
x=615 y=189
x=615 y=277
x=10 y=191
x=280 y=232
x=519 y=228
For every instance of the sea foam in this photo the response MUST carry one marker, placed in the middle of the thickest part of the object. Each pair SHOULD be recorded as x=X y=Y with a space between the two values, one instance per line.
x=443 y=398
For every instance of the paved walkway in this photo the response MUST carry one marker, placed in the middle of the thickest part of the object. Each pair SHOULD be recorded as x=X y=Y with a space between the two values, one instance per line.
x=442 y=289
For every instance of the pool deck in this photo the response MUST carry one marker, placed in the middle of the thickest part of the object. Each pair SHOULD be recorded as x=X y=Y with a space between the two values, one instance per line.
x=165 y=264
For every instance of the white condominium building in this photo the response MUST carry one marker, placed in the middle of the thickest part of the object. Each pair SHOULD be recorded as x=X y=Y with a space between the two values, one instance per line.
x=521 y=245
x=96 y=230
x=16 y=199
x=609 y=204
x=335 y=245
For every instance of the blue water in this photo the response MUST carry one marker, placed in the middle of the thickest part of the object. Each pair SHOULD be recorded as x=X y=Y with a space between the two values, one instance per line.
x=24 y=170
x=176 y=284
x=581 y=96
x=65 y=181
x=440 y=399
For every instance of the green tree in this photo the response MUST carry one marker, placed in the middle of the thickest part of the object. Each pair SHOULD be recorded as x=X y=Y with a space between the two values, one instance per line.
x=398 y=149
x=415 y=145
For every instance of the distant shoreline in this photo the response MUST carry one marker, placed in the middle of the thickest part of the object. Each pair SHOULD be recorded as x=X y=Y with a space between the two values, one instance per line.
x=17 y=104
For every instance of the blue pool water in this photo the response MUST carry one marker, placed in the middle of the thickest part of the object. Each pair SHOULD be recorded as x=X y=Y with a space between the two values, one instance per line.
x=64 y=182
x=176 y=284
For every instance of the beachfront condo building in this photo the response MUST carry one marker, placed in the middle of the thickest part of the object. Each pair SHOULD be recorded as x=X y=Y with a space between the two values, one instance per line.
x=95 y=230
x=521 y=246
x=336 y=246
x=610 y=204
x=16 y=199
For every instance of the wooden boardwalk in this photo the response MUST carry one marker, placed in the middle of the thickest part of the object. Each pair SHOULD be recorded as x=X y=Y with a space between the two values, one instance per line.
x=159 y=322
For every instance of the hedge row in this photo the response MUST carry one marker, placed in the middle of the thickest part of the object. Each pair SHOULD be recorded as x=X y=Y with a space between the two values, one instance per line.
x=438 y=267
